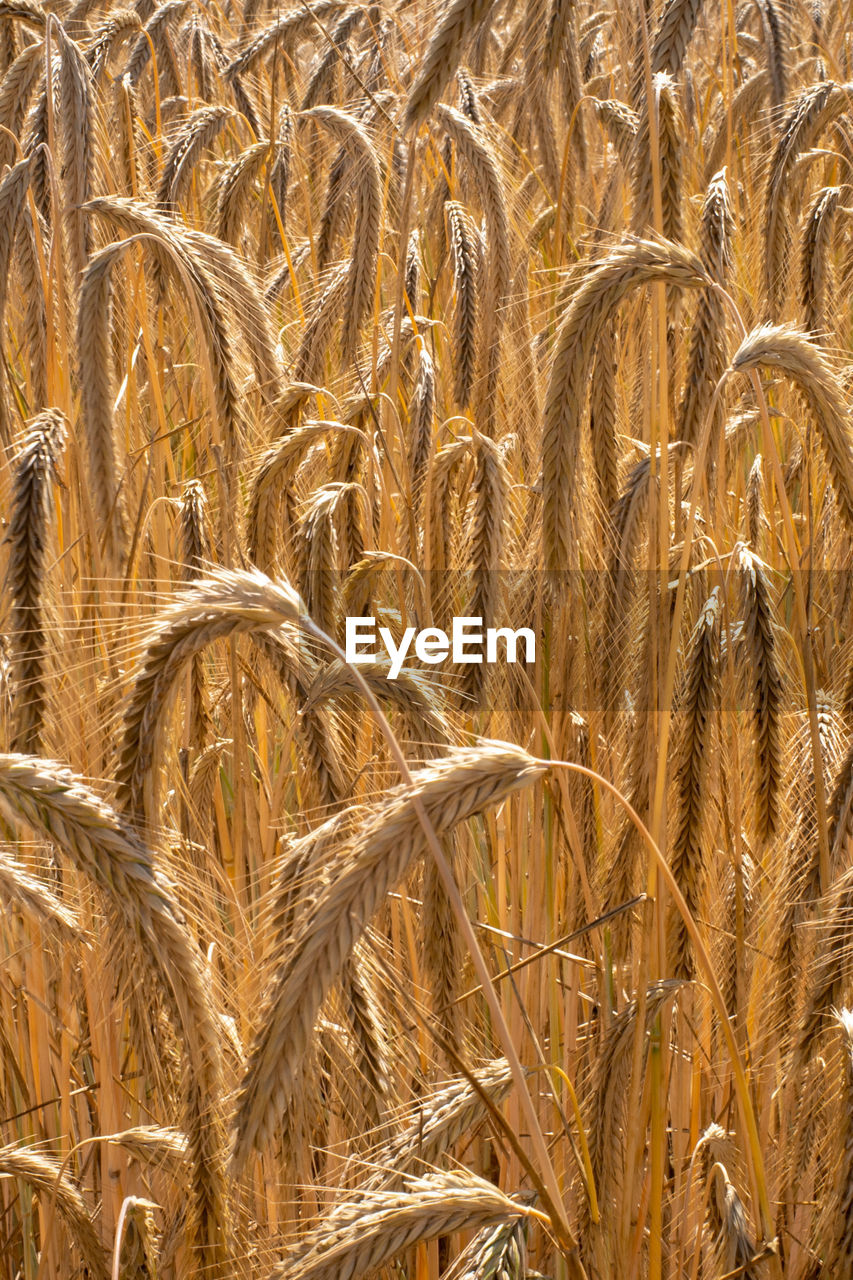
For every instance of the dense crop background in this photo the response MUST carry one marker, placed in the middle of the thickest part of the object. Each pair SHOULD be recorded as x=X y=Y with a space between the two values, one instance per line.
x=537 y=312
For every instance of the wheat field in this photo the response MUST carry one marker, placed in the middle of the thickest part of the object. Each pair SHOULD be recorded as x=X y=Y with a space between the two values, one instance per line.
x=532 y=312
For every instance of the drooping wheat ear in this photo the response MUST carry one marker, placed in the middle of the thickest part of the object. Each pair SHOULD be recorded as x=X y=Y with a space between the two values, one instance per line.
x=237 y=289
x=62 y=809
x=620 y=123
x=733 y=972
x=311 y=356
x=441 y=949
x=627 y=267
x=535 y=101
x=23 y=891
x=174 y=257
x=225 y=603
x=35 y=141
x=419 y=704
x=13 y=194
x=603 y=418
x=670 y=130
x=318 y=556
x=776 y=42
x=815 y=108
x=316 y=733
x=35 y=326
x=438 y=1122
x=387 y=844
x=194 y=531
x=361 y=1235
x=799 y=887
x=706 y=360
x=280 y=172
x=77 y=123
x=299 y=878
x=200 y=130
x=108 y=39
x=763 y=680
x=815 y=279
x=495 y=1253
x=32 y=504
x=280 y=35
x=828 y=972
x=464 y=258
x=745 y=103
x=474 y=148
x=694 y=763
x=421 y=414
x=320 y=87
x=275 y=472
x=674 y=32
x=607 y=1109
x=140 y=1242
x=200 y=64
x=361 y=279
x=16 y=92
x=233 y=190
x=733 y=1243
x=154 y=1145
x=195 y=553
x=839 y=1254
x=97 y=384
x=412 y=279
x=468 y=102
x=44 y=1173
x=369 y=1034
x=438 y=537
x=152 y=34
x=458 y=23
x=796 y=355
x=336 y=207
x=754 y=503
x=125 y=111
x=485 y=523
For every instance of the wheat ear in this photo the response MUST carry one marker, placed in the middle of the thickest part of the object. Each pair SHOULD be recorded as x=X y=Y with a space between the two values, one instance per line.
x=458 y=23
x=450 y=790
x=97 y=383
x=674 y=32
x=764 y=682
x=440 y=1121
x=794 y=354
x=21 y=889
x=224 y=604
x=280 y=35
x=200 y=130
x=689 y=852
x=815 y=108
x=473 y=146
x=60 y=808
x=840 y=1250
x=627 y=267
x=16 y=91
x=361 y=278
x=76 y=93
x=670 y=129
x=172 y=256
x=814 y=264
x=465 y=271
x=34 y=476
x=706 y=360
x=45 y=1174
x=362 y=1235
